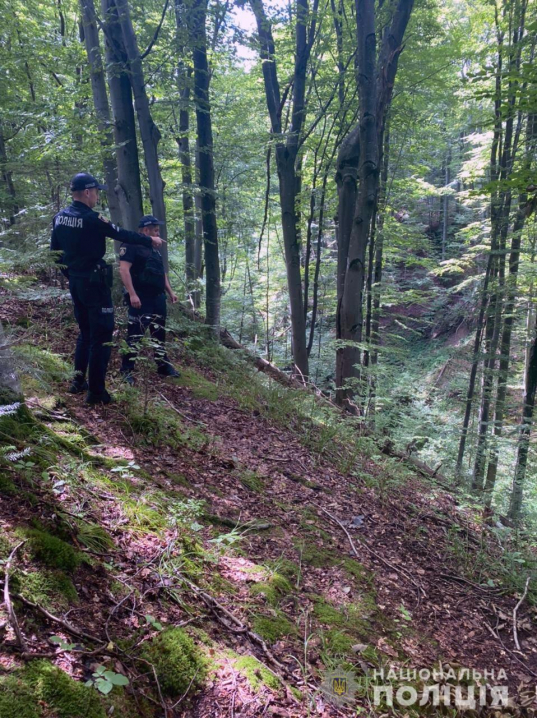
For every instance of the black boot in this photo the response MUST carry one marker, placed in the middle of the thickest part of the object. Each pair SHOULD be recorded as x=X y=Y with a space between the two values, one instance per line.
x=103 y=398
x=168 y=370
x=77 y=386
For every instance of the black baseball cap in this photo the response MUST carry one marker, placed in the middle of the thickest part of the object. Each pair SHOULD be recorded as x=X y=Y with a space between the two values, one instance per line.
x=148 y=220
x=83 y=180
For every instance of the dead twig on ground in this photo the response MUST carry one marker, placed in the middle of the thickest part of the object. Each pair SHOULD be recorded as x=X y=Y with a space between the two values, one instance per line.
x=184 y=416
x=21 y=642
x=515 y=609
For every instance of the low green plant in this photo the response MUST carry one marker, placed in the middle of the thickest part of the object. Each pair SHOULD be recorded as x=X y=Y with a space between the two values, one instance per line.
x=104 y=680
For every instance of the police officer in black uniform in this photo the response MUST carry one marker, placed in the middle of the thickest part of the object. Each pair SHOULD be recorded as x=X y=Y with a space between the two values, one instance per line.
x=80 y=234
x=146 y=284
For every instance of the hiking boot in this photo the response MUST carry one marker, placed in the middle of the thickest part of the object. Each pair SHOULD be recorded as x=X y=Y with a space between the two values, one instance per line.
x=128 y=378
x=103 y=398
x=168 y=370
x=77 y=386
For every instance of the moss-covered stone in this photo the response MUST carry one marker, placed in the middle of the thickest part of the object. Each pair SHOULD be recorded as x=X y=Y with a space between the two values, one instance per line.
x=257 y=674
x=272 y=628
x=177 y=660
x=52 y=551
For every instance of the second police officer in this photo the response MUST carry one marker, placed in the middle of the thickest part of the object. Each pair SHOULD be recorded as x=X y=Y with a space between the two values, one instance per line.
x=146 y=284
x=80 y=234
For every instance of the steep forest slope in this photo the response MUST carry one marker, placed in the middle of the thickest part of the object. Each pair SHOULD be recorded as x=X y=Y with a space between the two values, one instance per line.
x=214 y=545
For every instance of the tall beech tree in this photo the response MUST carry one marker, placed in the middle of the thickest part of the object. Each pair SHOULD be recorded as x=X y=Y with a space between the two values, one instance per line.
x=102 y=107
x=363 y=148
x=287 y=144
x=129 y=186
x=197 y=19
x=149 y=132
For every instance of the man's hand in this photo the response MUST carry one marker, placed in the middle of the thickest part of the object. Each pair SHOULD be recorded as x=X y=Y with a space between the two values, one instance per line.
x=157 y=242
x=135 y=301
x=173 y=297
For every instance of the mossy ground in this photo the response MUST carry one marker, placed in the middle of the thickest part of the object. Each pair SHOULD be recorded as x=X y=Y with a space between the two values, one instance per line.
x=42 y=690
x=257 y=674
x=177 y=660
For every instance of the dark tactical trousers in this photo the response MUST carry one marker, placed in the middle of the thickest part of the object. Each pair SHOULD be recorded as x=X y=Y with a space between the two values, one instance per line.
x=152 y=316
x=94 y=313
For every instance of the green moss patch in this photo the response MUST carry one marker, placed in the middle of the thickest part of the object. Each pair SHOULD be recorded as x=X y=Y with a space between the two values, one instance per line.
x=252 y=481
x=274 y=589
x=177 y=660
x=257 y=674
x=200 y=387
x=42 y=690
x=48 y=588
x=52 y=551
x=272 y=628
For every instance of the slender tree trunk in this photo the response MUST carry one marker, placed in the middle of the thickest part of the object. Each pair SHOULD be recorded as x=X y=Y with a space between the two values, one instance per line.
x=128 y=188
x=184 y=75
x=524 y=433
x=445 y=202
x=102 y=108
x=505 y=351
x=197 y=20
x=6 y=177
x=149 y=132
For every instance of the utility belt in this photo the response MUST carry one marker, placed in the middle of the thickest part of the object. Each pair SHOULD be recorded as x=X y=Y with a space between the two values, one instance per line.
x=102 y=274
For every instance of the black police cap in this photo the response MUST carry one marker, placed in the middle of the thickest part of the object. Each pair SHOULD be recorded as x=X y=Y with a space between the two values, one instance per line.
x=148 y=220
x=83 y=180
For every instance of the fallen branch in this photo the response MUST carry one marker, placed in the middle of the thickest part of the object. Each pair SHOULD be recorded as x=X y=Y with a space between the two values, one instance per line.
x=398 y=570
x=184 y=416
x=55 y=619
x=9 y=606
x=515 y=609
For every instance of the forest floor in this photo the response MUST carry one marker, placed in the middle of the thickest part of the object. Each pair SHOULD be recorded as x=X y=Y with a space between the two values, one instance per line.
x=282 y=551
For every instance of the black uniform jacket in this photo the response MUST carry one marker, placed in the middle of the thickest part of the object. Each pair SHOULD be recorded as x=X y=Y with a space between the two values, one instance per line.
x=147 y=271
x=80 y=233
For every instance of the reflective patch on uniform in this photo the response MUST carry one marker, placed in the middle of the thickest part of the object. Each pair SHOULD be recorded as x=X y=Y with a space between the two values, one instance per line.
x=104 y=219
x=107 y=310
x=68 y=221
x=122 y=251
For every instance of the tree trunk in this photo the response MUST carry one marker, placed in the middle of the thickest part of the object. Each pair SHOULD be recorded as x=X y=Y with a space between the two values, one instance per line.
x=102 y=109
x=128 y=188
x=287 y=156
x=525 y=433
x=149 y=132
x=445 y=202
x=197 y=23
x=375 y=88
x=505 y=351
x=183 y=141
x=7 y=181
